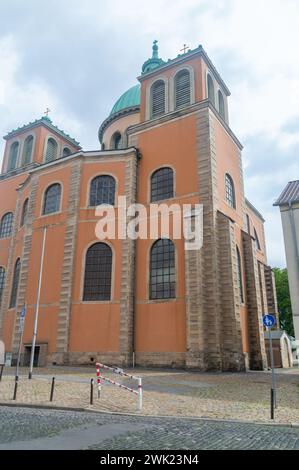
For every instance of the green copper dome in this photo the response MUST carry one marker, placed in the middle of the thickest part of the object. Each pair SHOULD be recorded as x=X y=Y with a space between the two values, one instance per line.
x=129 y=99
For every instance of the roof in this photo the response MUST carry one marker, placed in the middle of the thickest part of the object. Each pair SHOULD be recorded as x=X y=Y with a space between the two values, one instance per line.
x=45 y=120
x=257 y=213
x=131 y=98
x=289 y=195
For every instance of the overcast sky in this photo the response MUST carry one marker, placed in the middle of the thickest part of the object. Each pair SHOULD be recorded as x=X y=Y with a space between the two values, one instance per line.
x=77 y=57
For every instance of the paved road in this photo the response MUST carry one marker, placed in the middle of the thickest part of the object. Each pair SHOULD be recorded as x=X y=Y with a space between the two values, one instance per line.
x=22 y=428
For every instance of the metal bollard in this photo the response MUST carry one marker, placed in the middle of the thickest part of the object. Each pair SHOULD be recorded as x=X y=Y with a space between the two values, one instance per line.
x=16 y=388
x=52 y=389
x=140 y=394
x=1 y=372
x=272 y=402
x=91 y=391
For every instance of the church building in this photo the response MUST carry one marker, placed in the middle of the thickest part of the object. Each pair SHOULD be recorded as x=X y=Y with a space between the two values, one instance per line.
x=148 y=302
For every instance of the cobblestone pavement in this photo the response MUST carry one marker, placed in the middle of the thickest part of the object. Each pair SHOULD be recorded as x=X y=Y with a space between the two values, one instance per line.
x=35 y=429
x=240 y=396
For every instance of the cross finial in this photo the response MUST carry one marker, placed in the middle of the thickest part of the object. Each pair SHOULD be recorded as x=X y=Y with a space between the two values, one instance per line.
x=185 y=48
x=47 y=112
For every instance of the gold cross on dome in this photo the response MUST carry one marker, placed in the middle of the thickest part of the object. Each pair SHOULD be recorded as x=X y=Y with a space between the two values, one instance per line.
x=185 y=48
x=47 y=112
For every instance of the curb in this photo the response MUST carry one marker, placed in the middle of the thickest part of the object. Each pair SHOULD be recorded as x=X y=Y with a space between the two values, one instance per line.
x=118 y=413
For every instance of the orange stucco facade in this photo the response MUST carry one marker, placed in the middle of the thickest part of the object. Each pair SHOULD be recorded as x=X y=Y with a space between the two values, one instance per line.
x=214 y=319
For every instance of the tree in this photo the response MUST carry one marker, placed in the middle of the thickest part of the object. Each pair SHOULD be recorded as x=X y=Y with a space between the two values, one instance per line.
x=284 y=300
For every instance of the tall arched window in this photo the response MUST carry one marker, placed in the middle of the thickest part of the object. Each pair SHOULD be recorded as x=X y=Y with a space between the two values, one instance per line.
x=240 y=278
x=182 y=86
x=211 y=90
x=52 y=199
x=221 y=104
x=2 y=282
x=102 y=191
x=66 y=152
x=6 y=225
x=230 y=191
x=24 y=213
x=15 y=284
x=162 y=270
x=27 y=150
x=162 y=184
x=257 y=242
x=51 y=152
x=116 y=141
x=98 y=273
x=13 y=156
x=158 y=99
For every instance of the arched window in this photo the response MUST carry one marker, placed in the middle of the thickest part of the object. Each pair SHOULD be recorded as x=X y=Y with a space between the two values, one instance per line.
x=182 y=86
x=240 y=278
x=27 y=150
x=158 y=99
x=51 y=152
x=6 y=225
x=162 y=185
x=66 y=152
x=221 y=104
x=98 y=273
x=116 y=141
x=15 y=284
x=2 y=282
x=13 y=156
x=102 y=191
x=211 y=90
x=24 y=213
x=230 y=191
x=257 y=242
x=162 y=270
x=52 y=199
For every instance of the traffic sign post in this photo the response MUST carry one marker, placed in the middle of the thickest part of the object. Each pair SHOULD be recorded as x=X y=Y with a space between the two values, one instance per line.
x=269 y=321
x=22 y=324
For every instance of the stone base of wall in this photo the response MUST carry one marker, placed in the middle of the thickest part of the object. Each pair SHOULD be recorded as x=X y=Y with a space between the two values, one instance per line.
x=202 y=361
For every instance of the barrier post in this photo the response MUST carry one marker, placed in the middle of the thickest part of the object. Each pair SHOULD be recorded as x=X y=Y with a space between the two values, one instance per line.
x=1 y=372
x=91 y=392
x=140 y=394
x=52 y=389
x=16 y=388
x=99 y=380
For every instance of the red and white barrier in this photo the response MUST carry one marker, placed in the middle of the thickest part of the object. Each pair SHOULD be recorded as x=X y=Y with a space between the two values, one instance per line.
x=120 y=372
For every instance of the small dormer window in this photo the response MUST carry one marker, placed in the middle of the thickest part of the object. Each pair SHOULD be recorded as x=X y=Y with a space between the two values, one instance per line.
x=116 y=141
x=66 y=152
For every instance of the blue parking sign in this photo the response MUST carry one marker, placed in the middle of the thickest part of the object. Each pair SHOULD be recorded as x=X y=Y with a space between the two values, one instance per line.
x=269 y=321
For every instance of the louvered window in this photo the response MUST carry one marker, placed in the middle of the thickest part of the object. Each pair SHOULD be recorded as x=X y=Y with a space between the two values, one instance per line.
x=2 y=282
x=182 y=89
x=51 y=152
x=102 y=191
x=6 y=225
x=221 y=105
x=240 y=278
x=257 y=242
x=52 y=199
x=15 y=284
x=230 y=191
x=98 y=273
x=158 y=99
x=211 y=90
x=27 y=151
x=13 y=156
x=24 y=213
x=162 y=186
x=162 y=270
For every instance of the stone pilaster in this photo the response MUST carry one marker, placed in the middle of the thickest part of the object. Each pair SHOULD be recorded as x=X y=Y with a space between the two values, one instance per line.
x=257 y=354
x=127 y=299
x=27 y=249
x=68 y=264
x=231 y=337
